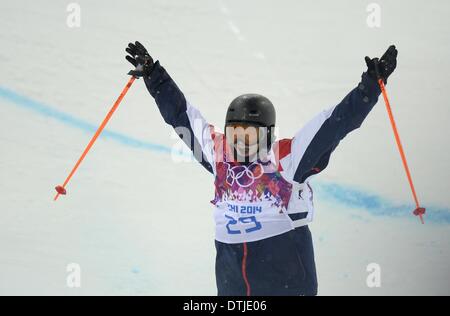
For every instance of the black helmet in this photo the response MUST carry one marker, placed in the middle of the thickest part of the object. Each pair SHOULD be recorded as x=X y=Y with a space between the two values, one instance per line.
x=252 y=109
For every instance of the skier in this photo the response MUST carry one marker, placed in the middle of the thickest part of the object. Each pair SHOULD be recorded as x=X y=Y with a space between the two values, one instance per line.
x=263 y=200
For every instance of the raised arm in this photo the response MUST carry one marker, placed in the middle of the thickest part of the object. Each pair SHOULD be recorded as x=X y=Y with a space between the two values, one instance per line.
x=313 y=144
x=175 y=110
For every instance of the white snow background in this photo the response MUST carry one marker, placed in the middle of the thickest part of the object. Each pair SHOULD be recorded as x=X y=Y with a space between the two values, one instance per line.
x=139 y=223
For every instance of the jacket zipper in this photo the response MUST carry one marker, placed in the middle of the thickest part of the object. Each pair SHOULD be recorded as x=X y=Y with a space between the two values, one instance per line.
x=244 y=270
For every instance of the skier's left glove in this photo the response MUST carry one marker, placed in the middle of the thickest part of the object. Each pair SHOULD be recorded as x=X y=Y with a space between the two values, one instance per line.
x=386 y=64
x=139 y=58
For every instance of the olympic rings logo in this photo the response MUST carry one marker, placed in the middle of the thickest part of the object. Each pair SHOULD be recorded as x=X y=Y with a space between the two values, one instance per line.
x=244 y=176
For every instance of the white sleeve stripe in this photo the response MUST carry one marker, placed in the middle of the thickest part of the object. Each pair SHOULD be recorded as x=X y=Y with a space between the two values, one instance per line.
x=201 y=130
x=304 y=137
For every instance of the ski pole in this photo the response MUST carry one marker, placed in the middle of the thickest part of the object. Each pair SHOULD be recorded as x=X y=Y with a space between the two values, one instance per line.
x=419 y=211
x=61 y=189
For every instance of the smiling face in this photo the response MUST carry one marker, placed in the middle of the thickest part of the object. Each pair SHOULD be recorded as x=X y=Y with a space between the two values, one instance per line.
x=245 y=140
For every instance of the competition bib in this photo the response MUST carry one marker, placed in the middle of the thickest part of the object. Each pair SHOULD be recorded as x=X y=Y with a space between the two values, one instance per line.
x=251 y=202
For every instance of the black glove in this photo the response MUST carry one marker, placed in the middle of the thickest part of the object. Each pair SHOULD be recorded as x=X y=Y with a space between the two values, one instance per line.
x=140 y=59
x=386 y=64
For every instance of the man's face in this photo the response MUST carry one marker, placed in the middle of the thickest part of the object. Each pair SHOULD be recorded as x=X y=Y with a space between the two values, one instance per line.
x=244 y=140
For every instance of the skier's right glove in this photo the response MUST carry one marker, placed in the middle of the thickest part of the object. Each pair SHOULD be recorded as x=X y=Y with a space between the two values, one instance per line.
x=139 y=58
x=386 y=64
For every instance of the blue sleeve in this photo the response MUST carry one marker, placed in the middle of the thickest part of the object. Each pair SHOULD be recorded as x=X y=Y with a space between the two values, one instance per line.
x=345 y=117
x=174 y=109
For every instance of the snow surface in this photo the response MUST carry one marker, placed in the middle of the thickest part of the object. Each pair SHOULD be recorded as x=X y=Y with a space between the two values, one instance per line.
x=139 y=223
